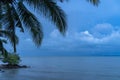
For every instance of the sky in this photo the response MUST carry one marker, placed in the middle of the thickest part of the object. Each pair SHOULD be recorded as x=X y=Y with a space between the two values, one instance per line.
x=91 y=31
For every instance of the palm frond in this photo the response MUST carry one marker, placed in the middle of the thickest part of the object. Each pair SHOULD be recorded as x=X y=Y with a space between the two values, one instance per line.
x=1 y=11
x=94 y=2
x=62 y=0
x=2 y=49
x=3 y=41
x=10 y=36
x=52 y=11
x=7 y=19
x=10 y=25
x=17 y=19
x=31 y=23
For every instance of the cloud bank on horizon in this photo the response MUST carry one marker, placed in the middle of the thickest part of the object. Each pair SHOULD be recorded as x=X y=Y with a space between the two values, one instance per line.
x=91 y=31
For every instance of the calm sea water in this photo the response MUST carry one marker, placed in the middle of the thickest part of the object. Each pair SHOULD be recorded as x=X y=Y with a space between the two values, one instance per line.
x=66 y=68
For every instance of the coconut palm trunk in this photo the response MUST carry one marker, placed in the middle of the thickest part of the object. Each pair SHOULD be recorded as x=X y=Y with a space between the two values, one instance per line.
x=14 y=44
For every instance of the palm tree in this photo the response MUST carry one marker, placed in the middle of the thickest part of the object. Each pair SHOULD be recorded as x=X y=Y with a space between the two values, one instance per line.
x=15 y=14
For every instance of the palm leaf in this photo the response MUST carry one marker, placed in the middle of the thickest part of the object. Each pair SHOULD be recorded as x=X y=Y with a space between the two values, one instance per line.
x=10 y=36
x=52 y=11
x=94 y=2
x=31 y=23
x=17 y=19
x=2 y=49
x=10 y=25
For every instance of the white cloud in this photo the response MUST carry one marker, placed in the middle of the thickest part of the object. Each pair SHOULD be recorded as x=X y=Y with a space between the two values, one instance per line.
x=28 y=40
x=54 y=33
x=87 y=37
x=100 y=34
x=105 y=28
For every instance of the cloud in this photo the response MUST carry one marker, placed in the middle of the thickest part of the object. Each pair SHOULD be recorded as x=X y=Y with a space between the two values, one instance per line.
x=55 y=34
x=101 y=30
x=100 y=34
x=87 y=37
x=28 y=40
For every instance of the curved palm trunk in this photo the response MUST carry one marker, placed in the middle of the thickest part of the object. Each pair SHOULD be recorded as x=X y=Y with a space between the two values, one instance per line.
x=14 y=44
x=1 y=47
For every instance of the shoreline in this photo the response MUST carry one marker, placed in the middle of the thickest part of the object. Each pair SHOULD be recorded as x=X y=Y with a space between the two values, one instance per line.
x=6 y=66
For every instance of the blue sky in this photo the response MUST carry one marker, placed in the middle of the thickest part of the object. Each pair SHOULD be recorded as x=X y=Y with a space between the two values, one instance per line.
x=91 y=31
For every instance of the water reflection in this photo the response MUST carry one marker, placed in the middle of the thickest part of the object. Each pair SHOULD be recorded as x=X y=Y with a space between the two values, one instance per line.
x=9 y=74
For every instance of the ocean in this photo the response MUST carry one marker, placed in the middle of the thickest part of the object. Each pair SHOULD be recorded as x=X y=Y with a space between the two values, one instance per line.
x=66 y=68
